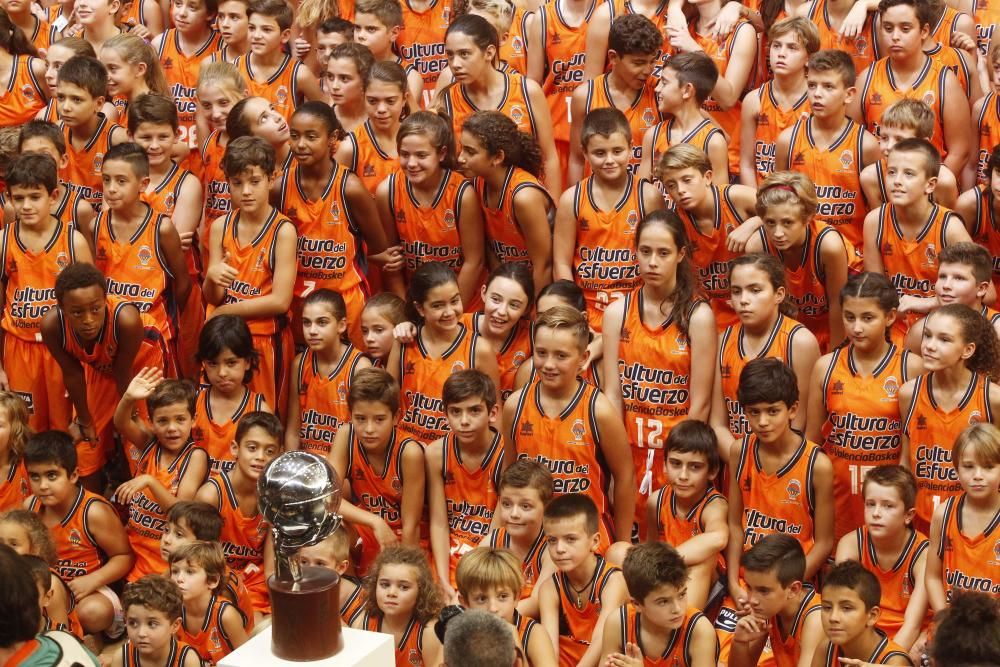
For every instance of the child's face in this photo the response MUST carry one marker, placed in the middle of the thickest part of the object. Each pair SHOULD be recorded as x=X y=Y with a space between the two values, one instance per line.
x=658 y=255
x=122 y=186
x=942 y=345
x=688 y=474
x=158 y=140
x=669 y=92
x=688 y=187
x=442 y=306
x=664 y=607
x=16 y=7
x=255 y=451
x=377 y=332
x=31 y=203
x=633 y=69
x=266 y=36
x=384 y=102
x=557 y=356
x=85 y=309
x=373 y=423
x=190 y=16
x=42 y=146
x=55 y=57
x=371 y=32
x=608 y=156
x=890 y=135
x=149 y=630
x=232 y=21
x=310 y=139
x=504 y=304
x=176 y=535
x=226 y=372
x=93 y=12
x=979 y=478
x=902 y=31
x=766 y=595
x=786 y=54
x=265 y=122
x=770 y=421
x=325 y=41
x=343 y=81
x=76 y=106
x=499 y=601
x=191 y=579
x=419 y=159
x=50 y=483
x=753 y=296
x=465 y=59
x=216 y=102
x=397 y=589
x=250 y=188
x=121 y=75
x=473 y=157
x=885 y=512
x=570 y=544
x=865 y=322
x=15 y=536
x=520 y=511
x=956 y=284
x=470 y=418
x=785 y=225
x=828 y=96
x=171 y=425
x=321 y=555
x=844 y=615
x=321 y=328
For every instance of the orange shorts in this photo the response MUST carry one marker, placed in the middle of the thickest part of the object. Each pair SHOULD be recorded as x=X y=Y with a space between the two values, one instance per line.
x=271 y=378
x=190 y=322
x=34 y=375
x=355 y=300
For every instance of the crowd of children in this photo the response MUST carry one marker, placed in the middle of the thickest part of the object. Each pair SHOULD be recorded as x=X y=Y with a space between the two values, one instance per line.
x=663 y=331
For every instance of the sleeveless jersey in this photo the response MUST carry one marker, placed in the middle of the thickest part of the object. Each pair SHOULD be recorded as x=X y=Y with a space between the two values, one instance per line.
x=531 y=564
x=351 y=606
x=515 y=103
x=836 y=172
x=787 y=647
x=642 y=114
x=181 y=70
x=83 y=169
x=30 y=278
x=210 y=640
x=512 y=50
x=422 y=379
x=162 y=198
x=986 y=230
x=24 y=95
x=781 y=502
x=932 y=432
x=255 y=264
x=862 y=427
x=861 y=47
x=699 y=137
x=710 y=254
x=504 y=237
x=428 y=233
x=771 y=122
x=988 y=135
x=514 y=351
x=578 y=616
x=329 y=242
x=242 y=539
x=66 y=209
x=378 y=493
x=217 y=198
x=678 y=650
x=987 y=19
x=953 y=60
x=470 y=495
x=371 y=162
x=674 y=528
x=946 y=24
x=323 y=399
x=14 y=487
x=409 y=650
x=43 y=35
x=77 y=550
x=215 y=436
x=881 y=91
x=969 y=563
x=176 y=657
x=101 y=355
x=885 y=650
x=733 y=359
x=422 y=41
x=658 y=18
x=565 y=52
x=280 y=89
x=897 y=579
x=911 y=264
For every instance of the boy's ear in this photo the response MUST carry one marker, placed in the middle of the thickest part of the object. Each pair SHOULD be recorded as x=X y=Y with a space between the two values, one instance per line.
x=494 y=414
x=850 y=94
x=462 y=601
x=234 y=447
x=395 y=32
x=286 y=35
x=74 y=476
x=931 y=185
x=873 y=616
x=613 y=57
x=175 y=625
x=793 y=410
x=585 y=356
x=342 y=566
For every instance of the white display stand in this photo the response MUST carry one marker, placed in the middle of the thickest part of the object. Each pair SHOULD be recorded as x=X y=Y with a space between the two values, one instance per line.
x=361 y=649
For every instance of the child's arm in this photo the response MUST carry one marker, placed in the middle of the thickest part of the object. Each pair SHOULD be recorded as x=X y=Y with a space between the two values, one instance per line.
x=871 y=152
x=870 y=188
x=611 y=638
x=564 y=238
x=209 y=493
x=73 y=378
x=173 y=254
x=822 y=516
x=614 y=315
x=80 y=246
x=812 y=635
x=955 y=124
x=646 y=165
x=118 y=661
x=714 y=535
x=391 y=277
x=916 y=608
x=351 y=512
x=703 y=336
x=412 y=504
x=188 y=211
x=905 y=400
x=970 y=174
x=577 y=110
x=294 y=420
x=548 y=610
x=539 y=651
x=955 y=231
x=805 y=352
x=854 y=107
x=437 y=510
x=615 y=449
x=781 y=147
x=704 y=644
x=816 y=406
x=748 y=137
x=127 y=420
x=282 y=283
x=109 y=534
x=744 y=198
x=308 y=85
x=734 y=550
x=833 y=254
x=471 y=231
x=131 y=333
x=362 y=210
x=232 y=625
x=531 y=214
x=539 y=106
x=729 y=88
x=873 y=253
x=534 y=56
x=596 y=48
x=847 y=548
x=718 y=419
x=718 y=156
x=614 y=595
x=430 y=647
x=748 y=641
x=219 y=275
x=653 y=518
x=934 y=569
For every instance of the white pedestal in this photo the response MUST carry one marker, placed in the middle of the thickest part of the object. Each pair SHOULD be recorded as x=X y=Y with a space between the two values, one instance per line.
x=361 y=649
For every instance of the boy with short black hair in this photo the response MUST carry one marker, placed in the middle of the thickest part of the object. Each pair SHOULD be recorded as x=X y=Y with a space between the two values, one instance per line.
x=39 y=136
x=153 y=607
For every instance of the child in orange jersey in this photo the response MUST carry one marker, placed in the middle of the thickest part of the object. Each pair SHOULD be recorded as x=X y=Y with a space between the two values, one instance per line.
x=170 y=469
x=853 y=408
x=36 y=247
x=251 y=271
x=182 y=50
x=909 y=72
x=832 y=19
x=962 y=556
x=68 y=205
x=402 y=599
x=256 y=117
x=757 y=285
x=961 y=357
x=780 y=102
x=967 y=631
x=422 y=42
x=56 y=614
x=431 y=207
x=378 y=25
x=210 y=624
x=685 y=82
x=334 y=215
x=634 y=45
x=815 y=256
x=98 y=21
x=81 y=92
x=57 y=55
x=26 y=93
x=507 y=165
x=905 y=119
x=713 y=219
x=133 y=70
x=99 y=343
x=385 y=469
x=830 y=148
x=660 y=624
x=334 y=553
x=688 y=512
x=849 y=613
x=370 y=150
x=659 y=345
x=986 y=121
x=37 y=31
x=153 y=607
x=14 y=432
x=596 y=221
x=889 y=547
x=463 y=470
x=321 y=376
x=92 y=549
x=246 y=536
x=343 y=83
x=586 y=590
x=381 y=314
x=220 y=86
x=234 y=27
x=329 y=33
x=490 y=579
x=139 y=249
x=904 y=235
x=228 y=361
x=979 y=207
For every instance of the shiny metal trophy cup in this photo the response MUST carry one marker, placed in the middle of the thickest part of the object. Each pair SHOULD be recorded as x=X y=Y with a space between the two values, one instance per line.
x=299 y=495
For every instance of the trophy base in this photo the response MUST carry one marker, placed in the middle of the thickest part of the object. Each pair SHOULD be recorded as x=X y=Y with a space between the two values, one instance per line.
x=305 y=616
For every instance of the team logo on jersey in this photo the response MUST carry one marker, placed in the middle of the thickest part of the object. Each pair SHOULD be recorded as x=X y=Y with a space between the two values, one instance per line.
x=648 y=117
x=414 y=657
x=556 y=39
x=449 y=219
x=409 y=369
x=281 y=95
x=259 y=263
x=931 y=254
x=62 y=261
x=921 y=423
x=168 y=201
x=446 y=16
x=907 y=586
x=631 y=220
x=458 y=366
x=799 y=159
x=794 y=490
x=680 y=344
x=396 y=485
x=335 y=210
x=517 y=44
x=975 y=418
x=876 y=98
x=578 y=430
x=213 y=637
x=891 y=387
x=519 y=358
x=28 y=92
x=886 y=249
x=996 y=553
x=516 y=114
x=846 y=160
x=145 y=255
x=74 y=537
x=342 y=392
x=929 y=98
x=168 y=63
x=527 y=428
x=369 y=170
x=838 y=388
x=98 y=162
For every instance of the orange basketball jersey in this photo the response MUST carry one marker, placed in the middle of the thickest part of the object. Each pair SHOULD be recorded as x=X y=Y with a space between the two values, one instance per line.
x=409 y=649
x=986 y=228
x=280 y=89
x=504 y=237
x=678 y=650
x=422 y=41
x=881 y=91
x=565 y=53
x=578 y=616
x=215 y=433
x=969 y=562
x=531 y=565
x=371 y=162
x=83 y=167
x=912 y=264
x=66 y=209
x=323 y=399
x=642 y=114
x=181 y=70
x=242 y=540
x=512 y=51
x=514 y=351
x=352 y=605
x=699 y=137
x=14 y=488
x=210 y=640
x=99 y=355
x=885 y=650
x=217 y=199
x=515 y=103
x=771 y=122
x=897 y=579
x=786 y=643
x=24 y=95
x=861 y=47
x=176 y=657
x=674 y=528
x=987 y=19
x=988 y=135
x=77 y=551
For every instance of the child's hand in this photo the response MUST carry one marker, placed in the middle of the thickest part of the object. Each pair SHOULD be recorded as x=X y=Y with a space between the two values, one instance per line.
x=385 y=535
x=962 y=42
x=142 y=32
x=855 y=21
x=222 y=274
x=390 y=259
x=680 y=38
x=125 y=492
x=82 y=433
x=83 y=586
x=187 y=240
x=301 y=47
x=726 y=20
x=750 y=628
x=631 y=658
x=736 y=240
x=405 y=332
x=143 y=384
x=449 y=593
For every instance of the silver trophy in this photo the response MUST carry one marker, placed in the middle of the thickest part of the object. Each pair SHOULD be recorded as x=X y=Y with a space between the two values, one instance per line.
x=299 y=495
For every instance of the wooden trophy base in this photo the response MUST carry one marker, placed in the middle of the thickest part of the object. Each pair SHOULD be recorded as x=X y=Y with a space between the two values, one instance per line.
x=305 y=618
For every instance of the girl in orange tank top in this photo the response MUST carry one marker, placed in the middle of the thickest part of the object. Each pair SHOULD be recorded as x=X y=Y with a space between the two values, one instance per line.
x=23 y=93
x=981 y=206
x=257 y=117
x=508 y=296
x=122 y=55
x=220 y=86
x=344 y=83
x=14 y=486
x=518 y=210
